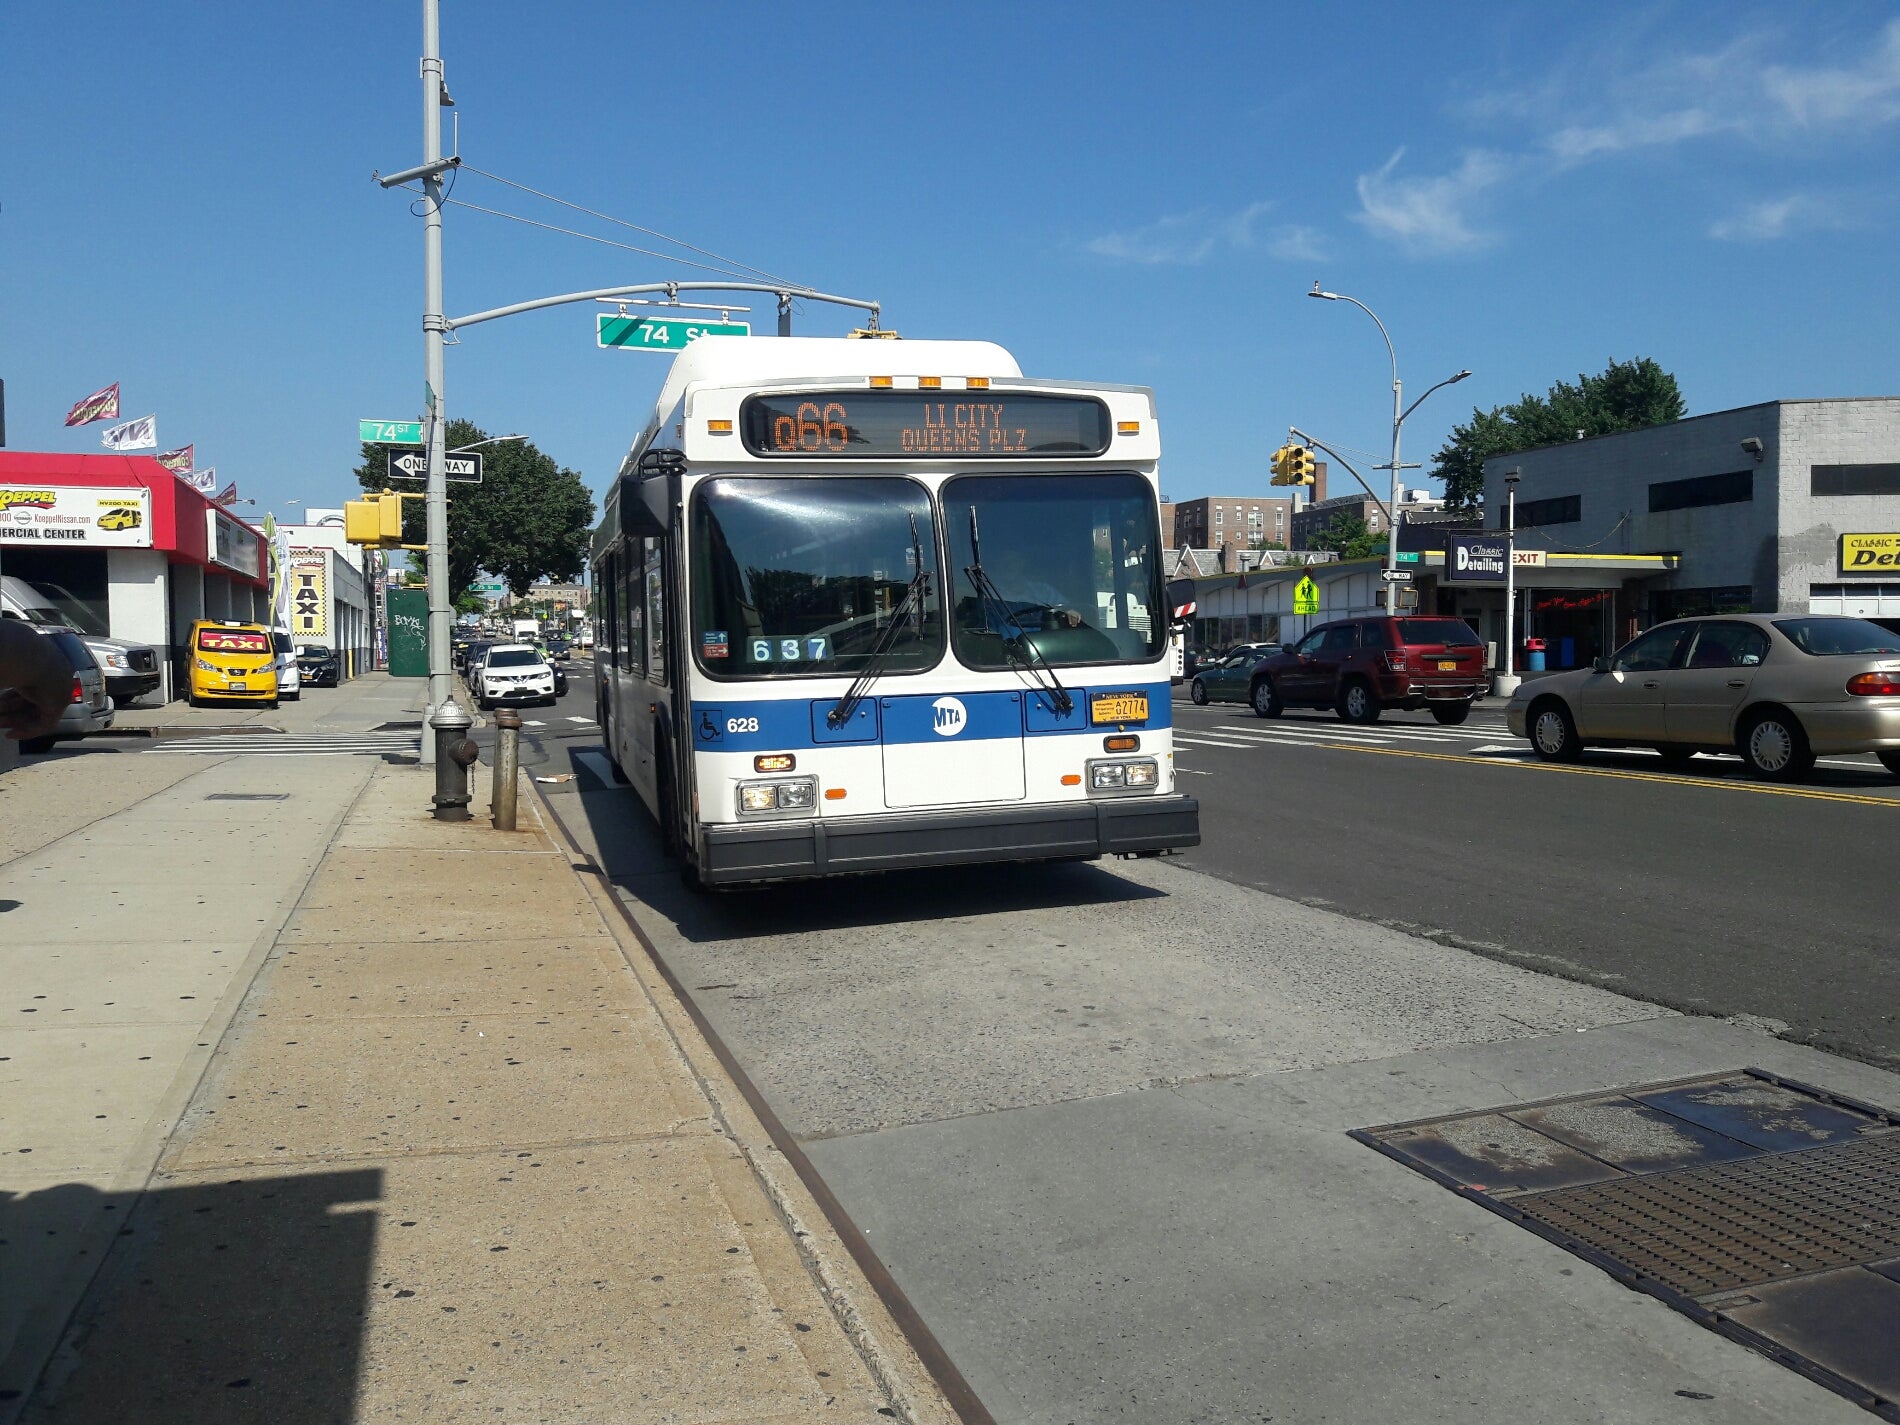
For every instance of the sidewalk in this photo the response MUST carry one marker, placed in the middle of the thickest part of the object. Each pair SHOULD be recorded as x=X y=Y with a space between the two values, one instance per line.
x=313 y=708
x=337 y=1112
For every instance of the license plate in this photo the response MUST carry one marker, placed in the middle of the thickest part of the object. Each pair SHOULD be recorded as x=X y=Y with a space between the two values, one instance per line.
x=1448 y=665
x=1118 y=707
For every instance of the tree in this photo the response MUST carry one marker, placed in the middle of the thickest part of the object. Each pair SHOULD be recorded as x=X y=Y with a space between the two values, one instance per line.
x=1346 y=534
x=1625 y=395
x=529 y=518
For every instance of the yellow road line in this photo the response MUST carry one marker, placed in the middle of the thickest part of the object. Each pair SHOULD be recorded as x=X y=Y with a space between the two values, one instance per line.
x=1811 y=794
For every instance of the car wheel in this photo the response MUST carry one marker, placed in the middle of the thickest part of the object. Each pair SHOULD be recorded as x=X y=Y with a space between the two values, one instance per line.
x=1198 y=691
x=1891 y=761
x=33 y=745
x=1357 y=703
x=272 y=704
x=1452 y=716
x=1553 y=733
x=1266 y=699
x=1774 y=746
x=1676 y=758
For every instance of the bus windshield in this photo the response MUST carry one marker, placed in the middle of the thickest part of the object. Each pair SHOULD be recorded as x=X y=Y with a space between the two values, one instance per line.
x=802 y=577
x=1072 y=563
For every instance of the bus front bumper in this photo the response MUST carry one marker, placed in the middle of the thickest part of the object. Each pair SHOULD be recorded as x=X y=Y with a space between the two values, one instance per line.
x=1071 y=830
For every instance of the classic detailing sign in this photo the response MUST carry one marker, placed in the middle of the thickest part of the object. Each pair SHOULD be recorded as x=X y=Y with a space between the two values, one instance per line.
x=1871 y=554
x=86 y=516
x=881 y=425
x=1474 y=558
x=309 y=594
x=231 y=543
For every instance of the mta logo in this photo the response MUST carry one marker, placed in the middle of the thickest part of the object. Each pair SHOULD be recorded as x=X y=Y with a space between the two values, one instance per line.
x=948 y=717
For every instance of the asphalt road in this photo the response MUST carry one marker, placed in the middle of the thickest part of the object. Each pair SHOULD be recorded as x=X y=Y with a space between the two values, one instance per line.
x=1706 y=892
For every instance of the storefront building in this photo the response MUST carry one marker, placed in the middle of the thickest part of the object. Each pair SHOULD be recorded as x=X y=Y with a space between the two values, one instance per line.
x=328 y=598
x=128 y=549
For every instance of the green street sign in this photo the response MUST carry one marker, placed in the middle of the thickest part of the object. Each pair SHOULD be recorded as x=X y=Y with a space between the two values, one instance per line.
x=390 y=432
x=1306 y=596
x=661 y=333
x=1408 y=556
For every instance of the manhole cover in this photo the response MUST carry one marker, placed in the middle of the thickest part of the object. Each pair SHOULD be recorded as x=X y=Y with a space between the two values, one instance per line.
x=248 y=797
x=397 y=727
x=1764 y=1208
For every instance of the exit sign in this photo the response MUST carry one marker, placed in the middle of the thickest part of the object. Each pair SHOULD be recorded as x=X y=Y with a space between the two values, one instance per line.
x=661 y=333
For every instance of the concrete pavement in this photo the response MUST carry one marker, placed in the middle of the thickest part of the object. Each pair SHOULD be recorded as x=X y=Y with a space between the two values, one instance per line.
x=313 y=1108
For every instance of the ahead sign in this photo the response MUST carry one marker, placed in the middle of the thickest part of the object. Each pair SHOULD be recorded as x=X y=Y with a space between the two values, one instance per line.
x=414 y=465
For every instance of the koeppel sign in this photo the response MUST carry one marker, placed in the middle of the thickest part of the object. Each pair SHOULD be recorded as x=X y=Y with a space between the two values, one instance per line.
x=77 y=516
x=1475 y=558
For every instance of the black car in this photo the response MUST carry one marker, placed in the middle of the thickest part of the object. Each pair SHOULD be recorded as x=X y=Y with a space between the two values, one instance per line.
x=320 y=666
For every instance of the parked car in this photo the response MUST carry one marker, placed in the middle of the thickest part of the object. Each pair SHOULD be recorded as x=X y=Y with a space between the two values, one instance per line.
x=130 y=668
x=289 y=675
x=1229 y=679
x=91 y=708
x=1360 y=667
x=319 y=667
x=472 y=664
x=1777 y=689
x=230 y=661
x=514 y=673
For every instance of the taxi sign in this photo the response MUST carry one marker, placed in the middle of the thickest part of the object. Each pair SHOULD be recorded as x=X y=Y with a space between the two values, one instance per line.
x=1306 y=596
x=1117 y=708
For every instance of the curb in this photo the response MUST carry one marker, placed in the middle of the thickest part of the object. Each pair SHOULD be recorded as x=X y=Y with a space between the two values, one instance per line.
x=191 y=730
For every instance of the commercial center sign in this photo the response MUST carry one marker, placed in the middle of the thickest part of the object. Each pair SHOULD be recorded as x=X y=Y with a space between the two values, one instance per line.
x=76 y=516
x=1877 y=554
x=232 y=543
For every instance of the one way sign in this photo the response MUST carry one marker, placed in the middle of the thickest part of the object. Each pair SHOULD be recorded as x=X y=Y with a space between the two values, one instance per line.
x=414 y=465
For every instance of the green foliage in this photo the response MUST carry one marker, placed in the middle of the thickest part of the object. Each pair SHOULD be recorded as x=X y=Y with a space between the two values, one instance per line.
x=528 y=518
x=1625 y=395
x=1346 y=533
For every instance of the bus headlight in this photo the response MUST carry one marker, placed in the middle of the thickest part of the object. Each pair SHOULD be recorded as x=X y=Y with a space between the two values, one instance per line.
x=1135 y=774
x=777 y=798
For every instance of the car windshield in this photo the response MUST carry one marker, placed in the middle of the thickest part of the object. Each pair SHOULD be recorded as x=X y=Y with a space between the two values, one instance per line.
x=1838 y=637
x=1071 y=565
x=1451 y=632
x=313 y=650
x=799 y=577
x=513 y=658
x=78 y=656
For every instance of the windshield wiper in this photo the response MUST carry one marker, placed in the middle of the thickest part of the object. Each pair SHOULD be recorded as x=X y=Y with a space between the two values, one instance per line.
x=1033 y=663
x=910 y=606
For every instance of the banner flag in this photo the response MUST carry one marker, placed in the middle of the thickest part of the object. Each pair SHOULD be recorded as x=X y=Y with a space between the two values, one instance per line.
x=99 y=406
x=203 y=481
x=226 y=496
x=177 y=461
x=141 y=434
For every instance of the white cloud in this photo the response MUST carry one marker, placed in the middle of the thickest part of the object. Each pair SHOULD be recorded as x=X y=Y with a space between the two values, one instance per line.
x=1182 y=239
x=1780 y=217
x=1860 y=95
x=1299 y=244
x=1627 y=131
x=1429 y=215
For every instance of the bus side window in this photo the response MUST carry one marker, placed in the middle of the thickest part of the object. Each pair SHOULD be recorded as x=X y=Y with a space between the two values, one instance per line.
x=607 y=628
x=656 y=611
x=633 y=611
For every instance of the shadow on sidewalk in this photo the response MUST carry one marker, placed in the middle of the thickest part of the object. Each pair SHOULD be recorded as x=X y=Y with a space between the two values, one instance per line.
x=632 y=859
x=238 y=1301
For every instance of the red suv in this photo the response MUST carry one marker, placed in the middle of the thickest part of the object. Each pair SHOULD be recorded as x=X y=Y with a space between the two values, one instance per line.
x=1360 y=667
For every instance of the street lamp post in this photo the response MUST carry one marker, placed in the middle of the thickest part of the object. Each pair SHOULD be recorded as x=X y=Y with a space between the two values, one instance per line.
x=1399 y=413
x=1504 y=681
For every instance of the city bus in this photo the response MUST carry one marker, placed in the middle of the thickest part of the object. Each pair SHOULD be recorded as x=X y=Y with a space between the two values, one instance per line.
x=863 y=605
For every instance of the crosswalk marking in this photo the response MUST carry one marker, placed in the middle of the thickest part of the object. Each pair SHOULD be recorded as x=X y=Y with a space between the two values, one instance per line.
x=584 y=721
x=334 y=744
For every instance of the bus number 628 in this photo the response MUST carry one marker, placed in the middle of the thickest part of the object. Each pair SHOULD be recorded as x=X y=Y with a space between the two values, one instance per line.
x=742 y=724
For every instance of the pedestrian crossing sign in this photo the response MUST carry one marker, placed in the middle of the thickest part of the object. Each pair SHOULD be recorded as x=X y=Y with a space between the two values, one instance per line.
x=1306 y=596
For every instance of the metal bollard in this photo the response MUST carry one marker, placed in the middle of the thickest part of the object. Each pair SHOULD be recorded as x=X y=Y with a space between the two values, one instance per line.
x=507 y=763
x=454 y=752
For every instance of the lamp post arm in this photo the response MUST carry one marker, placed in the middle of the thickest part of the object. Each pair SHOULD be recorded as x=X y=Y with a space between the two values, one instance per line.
x=1449 y=380
x=1342 y=297
x=1306 y=439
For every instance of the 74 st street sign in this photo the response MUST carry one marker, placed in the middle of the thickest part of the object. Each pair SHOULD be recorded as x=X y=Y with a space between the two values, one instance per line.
x=414 y=465
x=389 y=432
x=661 y=333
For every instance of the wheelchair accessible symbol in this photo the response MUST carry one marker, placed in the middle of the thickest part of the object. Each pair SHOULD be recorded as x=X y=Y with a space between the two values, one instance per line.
x=711 y=725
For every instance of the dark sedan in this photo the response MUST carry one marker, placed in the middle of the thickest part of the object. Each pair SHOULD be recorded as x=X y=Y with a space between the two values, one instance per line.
x=319 y=666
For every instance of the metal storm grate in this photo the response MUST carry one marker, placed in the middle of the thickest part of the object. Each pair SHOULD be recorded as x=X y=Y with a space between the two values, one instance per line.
x=1764 y=1209
x=1743 y=1223
x=248 y=797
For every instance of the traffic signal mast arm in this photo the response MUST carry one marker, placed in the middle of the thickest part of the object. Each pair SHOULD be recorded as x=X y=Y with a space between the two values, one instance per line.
x=1301 y=435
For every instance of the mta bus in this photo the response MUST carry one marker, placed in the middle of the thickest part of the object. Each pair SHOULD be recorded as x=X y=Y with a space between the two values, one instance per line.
x=864 y=605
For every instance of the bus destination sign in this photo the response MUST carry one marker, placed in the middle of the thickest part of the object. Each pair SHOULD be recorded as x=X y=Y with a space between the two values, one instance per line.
x=893 y=425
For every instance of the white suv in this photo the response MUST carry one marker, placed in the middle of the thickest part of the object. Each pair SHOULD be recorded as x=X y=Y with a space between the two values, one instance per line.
x=514 y=673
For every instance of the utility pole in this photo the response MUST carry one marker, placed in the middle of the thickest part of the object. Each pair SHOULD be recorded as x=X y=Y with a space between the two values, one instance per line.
x=1505 y=681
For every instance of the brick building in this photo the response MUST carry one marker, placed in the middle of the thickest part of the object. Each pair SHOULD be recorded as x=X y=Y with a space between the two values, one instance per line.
x=1316 y=516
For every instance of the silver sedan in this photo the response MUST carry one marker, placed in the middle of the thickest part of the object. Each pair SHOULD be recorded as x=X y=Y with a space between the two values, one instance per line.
x=1778 y=689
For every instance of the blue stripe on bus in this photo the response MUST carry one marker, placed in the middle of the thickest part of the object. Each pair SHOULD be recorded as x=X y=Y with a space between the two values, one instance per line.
x=764 y=725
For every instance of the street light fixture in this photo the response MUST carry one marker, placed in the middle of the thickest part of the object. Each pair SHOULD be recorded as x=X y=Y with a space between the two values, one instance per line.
x=1399 y=413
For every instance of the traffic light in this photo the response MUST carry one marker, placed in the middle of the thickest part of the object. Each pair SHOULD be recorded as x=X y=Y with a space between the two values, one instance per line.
x=376 y=522
x=1281 y=459
x=1300 y=466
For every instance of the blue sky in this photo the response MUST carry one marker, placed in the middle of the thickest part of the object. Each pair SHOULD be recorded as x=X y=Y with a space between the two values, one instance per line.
x=1135 y=193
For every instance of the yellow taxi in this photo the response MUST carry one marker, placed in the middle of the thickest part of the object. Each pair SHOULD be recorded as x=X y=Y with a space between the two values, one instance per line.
x=232 y=660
